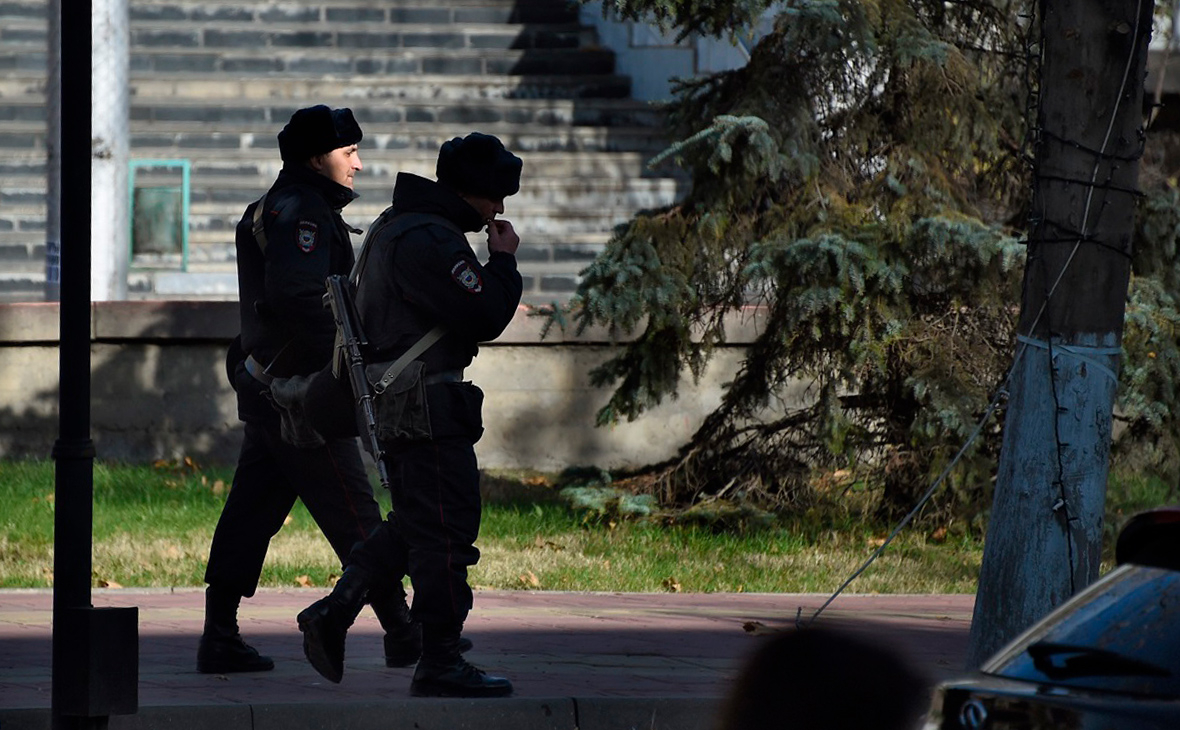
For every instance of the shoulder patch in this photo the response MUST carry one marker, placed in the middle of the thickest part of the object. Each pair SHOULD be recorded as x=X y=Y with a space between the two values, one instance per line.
x=305 y=236
x=467 y=277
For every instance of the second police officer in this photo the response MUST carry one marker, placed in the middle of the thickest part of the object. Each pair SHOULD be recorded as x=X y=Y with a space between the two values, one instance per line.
x=422 y=276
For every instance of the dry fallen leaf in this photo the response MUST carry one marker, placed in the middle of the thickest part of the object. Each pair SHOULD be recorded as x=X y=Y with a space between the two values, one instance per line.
x=531 y=579
x=671 y=584
x=304 y=581
x=757 y=628
x=108 y=584
x=219 y=487
x=288 y=520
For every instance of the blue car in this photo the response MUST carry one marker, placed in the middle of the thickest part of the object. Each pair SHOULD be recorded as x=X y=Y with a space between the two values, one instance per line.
x=1108 y=659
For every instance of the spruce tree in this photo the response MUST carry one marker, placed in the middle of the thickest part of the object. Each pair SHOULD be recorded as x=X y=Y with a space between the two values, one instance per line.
x=863 y=180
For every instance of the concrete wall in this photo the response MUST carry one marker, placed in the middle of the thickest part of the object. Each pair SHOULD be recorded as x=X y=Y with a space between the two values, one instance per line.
x=158 y=389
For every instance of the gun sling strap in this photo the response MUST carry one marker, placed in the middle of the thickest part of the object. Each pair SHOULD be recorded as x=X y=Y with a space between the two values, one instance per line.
x=400 y=224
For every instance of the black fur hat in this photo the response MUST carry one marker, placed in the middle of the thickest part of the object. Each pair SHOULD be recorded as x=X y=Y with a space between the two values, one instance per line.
x=316 y=130
x=479 y=164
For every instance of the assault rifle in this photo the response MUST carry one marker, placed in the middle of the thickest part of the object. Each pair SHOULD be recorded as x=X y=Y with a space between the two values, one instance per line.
x=350 y=339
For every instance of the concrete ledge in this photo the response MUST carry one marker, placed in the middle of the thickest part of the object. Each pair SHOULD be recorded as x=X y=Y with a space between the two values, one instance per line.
x=38 y=322
x=159 y=390
x=560 y=713
x=27 y=323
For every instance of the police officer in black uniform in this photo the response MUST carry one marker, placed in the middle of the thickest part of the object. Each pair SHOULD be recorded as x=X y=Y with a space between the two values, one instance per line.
x=288 y=242
x=413 y=281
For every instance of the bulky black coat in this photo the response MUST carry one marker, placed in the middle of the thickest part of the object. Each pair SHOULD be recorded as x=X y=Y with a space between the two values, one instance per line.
x=430 y=276
x=281 y=292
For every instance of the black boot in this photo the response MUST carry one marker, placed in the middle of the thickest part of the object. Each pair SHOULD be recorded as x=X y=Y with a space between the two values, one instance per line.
x=325 y=623
x=443 y=672
x=403 y=635
x=221 y=650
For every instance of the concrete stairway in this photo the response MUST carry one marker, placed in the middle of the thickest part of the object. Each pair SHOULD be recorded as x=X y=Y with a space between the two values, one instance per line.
x=213 y=83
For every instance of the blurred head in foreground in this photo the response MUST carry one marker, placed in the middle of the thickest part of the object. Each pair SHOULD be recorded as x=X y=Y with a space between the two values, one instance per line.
x=822 y=679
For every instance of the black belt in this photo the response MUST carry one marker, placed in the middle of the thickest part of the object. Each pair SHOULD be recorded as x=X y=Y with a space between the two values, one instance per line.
x=259 y=373
x=444 y=376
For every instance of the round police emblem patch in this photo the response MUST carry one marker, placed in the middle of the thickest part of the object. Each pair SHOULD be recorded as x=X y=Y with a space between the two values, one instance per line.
x=305 y=236
x=467 y=277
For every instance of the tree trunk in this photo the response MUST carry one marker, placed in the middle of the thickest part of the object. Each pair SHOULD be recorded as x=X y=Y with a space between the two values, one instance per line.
x=1045 y=533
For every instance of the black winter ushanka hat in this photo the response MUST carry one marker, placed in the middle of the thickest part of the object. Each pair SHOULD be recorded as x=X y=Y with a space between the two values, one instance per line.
x=479 y=164
x=317 y=130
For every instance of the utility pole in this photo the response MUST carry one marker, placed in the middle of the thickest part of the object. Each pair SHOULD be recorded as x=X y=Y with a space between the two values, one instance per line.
x=1045 y=533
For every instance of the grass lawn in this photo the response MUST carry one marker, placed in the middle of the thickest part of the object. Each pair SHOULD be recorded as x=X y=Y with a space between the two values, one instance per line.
x=153 y=523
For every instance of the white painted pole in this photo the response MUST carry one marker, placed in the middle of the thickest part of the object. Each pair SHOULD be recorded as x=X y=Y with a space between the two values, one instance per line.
x=110 y=150
x=53 y=157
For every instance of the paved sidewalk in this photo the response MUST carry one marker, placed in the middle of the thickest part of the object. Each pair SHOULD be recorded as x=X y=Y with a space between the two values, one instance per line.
x=590 y=661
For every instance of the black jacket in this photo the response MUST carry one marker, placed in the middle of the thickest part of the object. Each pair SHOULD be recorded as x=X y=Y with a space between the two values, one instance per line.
x=430 y=276
x=281 y=292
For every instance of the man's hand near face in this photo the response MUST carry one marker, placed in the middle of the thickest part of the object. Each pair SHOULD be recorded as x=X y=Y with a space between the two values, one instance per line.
x=501 y=237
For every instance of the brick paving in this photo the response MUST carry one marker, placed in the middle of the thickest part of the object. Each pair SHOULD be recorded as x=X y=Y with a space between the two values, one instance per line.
x=584 y=646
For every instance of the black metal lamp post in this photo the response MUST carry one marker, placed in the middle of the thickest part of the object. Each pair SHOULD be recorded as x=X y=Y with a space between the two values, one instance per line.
x=95 y=651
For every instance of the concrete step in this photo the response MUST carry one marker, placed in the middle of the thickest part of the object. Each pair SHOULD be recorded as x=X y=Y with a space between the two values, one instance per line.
x=350 y=11
x=534 y=255
x=263 y=37
x=25 y=251
x=327 y=88
x=356 y=60
x=262 y=115
x=262 y=167
x=545 y=280
x=542 y=180
x=179 y=140
x=335 y=11
x=538 y=289
x=228 y=188
x=549 y=220
x=22 y=287
x=239 y=191
x=295 y=34
x=21 y=257
x=17 y=10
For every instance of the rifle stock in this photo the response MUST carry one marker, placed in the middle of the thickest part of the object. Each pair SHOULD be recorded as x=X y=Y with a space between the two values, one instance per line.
x=349 y=341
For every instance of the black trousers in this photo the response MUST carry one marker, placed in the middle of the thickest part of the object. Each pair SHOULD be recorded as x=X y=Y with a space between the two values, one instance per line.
x=270 y=475
x=431 y=533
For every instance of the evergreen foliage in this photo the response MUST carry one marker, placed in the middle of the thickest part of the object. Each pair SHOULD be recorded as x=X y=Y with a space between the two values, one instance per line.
x=861 y=184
